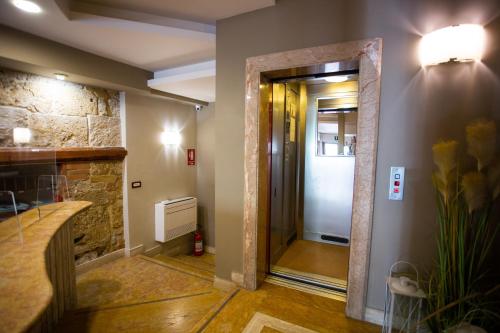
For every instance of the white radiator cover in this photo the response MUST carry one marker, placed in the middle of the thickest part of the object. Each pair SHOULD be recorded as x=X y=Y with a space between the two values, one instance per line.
x=174 y=218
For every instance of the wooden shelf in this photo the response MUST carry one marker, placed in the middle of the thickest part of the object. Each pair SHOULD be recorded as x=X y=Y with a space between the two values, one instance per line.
x=69 y=154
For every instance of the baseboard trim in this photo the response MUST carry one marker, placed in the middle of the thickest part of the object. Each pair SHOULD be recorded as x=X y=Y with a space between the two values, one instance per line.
x=210 y=249
x=374 y=316
x=237 y=278
x=133 y=251
x=109 y=257
x=223 y=284
x=157 y=249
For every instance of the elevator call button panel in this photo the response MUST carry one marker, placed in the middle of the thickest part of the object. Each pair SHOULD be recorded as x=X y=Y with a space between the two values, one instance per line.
x=396 y=183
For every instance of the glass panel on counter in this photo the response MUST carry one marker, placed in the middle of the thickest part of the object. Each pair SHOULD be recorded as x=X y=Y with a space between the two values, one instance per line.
x=9 y=216
x=29 y=180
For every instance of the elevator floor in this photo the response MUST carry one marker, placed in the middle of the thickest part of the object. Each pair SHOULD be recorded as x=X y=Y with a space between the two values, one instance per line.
x=316 y=258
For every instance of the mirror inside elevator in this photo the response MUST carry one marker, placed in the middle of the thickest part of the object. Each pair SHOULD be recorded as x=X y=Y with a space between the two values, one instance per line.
x=313 y=150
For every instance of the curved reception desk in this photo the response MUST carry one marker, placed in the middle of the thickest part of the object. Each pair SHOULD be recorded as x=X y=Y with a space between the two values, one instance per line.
x=37 y=273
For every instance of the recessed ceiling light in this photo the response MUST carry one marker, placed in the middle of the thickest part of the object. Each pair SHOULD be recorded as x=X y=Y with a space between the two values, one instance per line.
x=61 y=76
x=27 y=6
x=336 y=79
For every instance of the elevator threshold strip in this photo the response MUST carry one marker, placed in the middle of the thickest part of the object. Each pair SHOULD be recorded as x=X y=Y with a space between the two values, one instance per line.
x=306 y=287
x=321 y=280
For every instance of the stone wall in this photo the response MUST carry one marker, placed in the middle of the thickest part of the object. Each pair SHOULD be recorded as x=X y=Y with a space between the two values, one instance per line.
x=99 y=230
x=59 y=113
x=65 y=114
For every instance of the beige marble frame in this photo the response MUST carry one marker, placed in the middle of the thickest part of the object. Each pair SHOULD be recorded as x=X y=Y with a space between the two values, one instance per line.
x=256 y=170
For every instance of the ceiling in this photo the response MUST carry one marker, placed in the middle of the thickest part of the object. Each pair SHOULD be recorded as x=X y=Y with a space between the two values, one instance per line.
x=150 y=34
x=206 y=11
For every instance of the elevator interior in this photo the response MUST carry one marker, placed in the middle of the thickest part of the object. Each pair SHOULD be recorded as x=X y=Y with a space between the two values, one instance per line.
x=313 y=148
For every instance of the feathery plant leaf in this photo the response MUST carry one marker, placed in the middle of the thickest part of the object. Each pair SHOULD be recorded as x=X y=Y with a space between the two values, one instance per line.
x=456 y=290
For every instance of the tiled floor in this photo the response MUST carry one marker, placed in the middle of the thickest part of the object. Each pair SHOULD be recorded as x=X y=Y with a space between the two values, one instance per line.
x=299 y=311
x=317 y=258
x=141 y=294
x=175 y=294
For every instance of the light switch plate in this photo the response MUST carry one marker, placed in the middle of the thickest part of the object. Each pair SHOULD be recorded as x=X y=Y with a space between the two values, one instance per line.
x=396 y=183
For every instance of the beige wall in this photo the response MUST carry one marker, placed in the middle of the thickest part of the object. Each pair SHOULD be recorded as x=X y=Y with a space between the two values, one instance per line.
x=417 y=108
x=163 y=170
x=205 y=181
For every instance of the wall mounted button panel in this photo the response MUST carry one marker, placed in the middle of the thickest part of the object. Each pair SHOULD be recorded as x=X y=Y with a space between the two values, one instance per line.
x=396 y=183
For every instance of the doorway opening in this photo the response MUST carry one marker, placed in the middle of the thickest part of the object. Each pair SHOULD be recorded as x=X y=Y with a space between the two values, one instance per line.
x=313 y=130
x=297 y=64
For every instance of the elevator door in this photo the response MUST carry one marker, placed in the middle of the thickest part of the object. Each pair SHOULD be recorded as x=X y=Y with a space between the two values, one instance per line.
x=284 y=168
x=276 y=241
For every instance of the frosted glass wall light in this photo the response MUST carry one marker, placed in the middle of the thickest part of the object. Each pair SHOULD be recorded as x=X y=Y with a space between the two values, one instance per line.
x=22 y=135
x=171 y=138
x=457 y=43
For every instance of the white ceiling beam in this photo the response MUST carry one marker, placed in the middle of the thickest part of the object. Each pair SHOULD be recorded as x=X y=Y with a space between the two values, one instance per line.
x=194 y=81
x=183 y=73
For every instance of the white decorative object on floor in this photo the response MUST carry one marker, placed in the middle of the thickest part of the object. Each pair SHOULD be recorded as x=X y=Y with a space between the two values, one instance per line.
x=403 y=299
x=174 y=218
x=260 y=321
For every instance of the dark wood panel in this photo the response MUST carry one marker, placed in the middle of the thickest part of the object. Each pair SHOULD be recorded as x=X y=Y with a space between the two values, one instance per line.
x=69 y=154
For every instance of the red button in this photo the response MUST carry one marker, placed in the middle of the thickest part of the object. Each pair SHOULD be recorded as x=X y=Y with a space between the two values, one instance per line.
x=396 y=190
x=396 y=183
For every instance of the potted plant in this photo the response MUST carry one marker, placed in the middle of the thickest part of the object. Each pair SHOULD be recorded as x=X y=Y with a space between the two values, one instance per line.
x=462 y=295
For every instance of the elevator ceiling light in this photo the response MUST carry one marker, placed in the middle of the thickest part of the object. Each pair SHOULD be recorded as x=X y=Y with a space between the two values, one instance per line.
x=336 y=79
x=60 y=76
x=457 y=43
x=27 y=6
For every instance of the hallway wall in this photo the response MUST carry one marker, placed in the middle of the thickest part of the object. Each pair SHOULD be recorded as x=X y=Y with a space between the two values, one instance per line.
x=418 y=107
x=163 y=170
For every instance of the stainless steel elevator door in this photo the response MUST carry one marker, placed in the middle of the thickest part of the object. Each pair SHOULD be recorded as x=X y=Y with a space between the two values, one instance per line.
x=284 y=167
x=290 y=163
x=278 y=130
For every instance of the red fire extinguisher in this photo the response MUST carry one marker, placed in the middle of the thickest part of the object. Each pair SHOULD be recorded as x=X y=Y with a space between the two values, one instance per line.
x=198 y=243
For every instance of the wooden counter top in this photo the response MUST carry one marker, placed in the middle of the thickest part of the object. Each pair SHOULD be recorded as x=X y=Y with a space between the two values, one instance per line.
x=66 y=154
x=29 y=270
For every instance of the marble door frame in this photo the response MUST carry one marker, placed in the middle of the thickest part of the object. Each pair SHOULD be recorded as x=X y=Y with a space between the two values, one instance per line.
x=257 y=171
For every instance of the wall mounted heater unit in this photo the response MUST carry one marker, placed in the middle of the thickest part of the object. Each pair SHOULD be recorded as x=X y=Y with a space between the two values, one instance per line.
x=174 y=218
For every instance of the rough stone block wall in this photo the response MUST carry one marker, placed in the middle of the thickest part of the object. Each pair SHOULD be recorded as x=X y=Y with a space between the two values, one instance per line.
x=65 y=114
x=100 y=229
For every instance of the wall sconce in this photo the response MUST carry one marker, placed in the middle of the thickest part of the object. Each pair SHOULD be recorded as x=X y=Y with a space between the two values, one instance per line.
x=171 y=138
x=457 y=43
x=22 y=135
